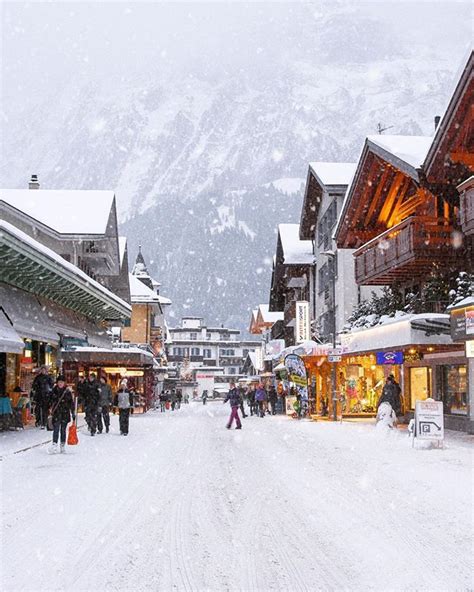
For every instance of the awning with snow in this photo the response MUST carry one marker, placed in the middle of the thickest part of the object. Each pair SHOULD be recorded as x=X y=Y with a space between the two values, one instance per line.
x=33 y=267
x=27 y=314
x=420 y=329
x=10 y=341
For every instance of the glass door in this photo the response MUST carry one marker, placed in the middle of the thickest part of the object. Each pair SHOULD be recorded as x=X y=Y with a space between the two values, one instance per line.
x=420 y=384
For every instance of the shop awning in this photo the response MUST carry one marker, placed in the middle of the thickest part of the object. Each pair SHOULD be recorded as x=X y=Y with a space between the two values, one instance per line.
x=26 y=313
x=421 y=329
x=121 y=357
x=10 y=341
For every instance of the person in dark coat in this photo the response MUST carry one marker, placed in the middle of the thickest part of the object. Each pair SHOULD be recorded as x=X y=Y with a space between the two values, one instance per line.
x=62 y=411
x=105 y=402
x=251 y=400
x=41 y=391
x=163 y=399
x=242 y=410
x=81 y=388
x=124 y=402
x=91 y=401
x=391 y=393
x=273 y=398
x=233 y=396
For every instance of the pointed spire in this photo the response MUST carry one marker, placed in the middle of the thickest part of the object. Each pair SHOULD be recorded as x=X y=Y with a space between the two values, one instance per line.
x=140 y=269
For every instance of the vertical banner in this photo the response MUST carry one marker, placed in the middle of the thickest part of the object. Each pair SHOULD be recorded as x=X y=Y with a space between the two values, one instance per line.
x=298 y=380
x=302 y=331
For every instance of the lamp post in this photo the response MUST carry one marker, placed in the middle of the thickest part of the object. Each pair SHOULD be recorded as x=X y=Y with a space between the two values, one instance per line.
x=331 y=255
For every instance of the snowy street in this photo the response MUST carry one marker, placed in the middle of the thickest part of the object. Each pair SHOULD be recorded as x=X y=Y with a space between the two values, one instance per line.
x=184 y=504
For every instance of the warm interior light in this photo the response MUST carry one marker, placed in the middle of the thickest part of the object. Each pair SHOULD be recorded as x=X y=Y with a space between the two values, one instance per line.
x=412 y=350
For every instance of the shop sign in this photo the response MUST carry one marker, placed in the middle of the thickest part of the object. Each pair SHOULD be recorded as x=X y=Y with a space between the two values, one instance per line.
x=302 y=331
x=392 y=357
x=332 y=359
x=470 y=349
x=469 y=322
x=336 y=351
x=274 y=347
x=429 y=420
x=259 y=359
x=297 y=373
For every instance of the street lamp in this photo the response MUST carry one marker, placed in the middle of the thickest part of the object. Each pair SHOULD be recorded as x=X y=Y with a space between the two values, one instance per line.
x=331 y=255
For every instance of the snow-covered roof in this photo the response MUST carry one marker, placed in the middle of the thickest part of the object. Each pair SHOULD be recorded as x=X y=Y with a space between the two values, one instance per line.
x=468 y=301
x=141 y=293
x=410 y=149
x=65 y=265
x=66 y=211
x=164 y=300
x=333 y=173
x=122 y=247
x=295 y=251
x=398 y=332
x=269 y=317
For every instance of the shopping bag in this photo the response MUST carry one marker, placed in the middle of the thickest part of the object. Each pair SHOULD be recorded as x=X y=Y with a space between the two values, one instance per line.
x=168 y=405
x=72 y=438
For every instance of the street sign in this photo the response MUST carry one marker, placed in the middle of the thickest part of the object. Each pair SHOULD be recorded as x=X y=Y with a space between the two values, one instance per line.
x=429 y=420
x=332 y=359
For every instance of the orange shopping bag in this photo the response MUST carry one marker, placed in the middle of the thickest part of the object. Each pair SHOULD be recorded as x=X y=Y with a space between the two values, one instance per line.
x=72 y=438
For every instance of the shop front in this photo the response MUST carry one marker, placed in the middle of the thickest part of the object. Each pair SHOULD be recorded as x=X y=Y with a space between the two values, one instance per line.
x=458 y=378
x=420 y=353
x=134 y=364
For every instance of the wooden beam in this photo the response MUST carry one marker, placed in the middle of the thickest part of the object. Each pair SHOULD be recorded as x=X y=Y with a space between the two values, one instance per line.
x=376 y=198
x=392 y=197
x=464 y=157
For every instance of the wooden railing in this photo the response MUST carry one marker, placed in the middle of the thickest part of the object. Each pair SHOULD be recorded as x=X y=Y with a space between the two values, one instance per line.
x=408 y=248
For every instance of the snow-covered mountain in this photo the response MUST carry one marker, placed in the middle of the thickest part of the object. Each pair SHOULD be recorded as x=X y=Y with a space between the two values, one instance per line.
x=207 y=157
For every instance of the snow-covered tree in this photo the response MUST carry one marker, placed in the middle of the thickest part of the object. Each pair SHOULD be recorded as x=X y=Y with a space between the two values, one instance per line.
x=464 y=288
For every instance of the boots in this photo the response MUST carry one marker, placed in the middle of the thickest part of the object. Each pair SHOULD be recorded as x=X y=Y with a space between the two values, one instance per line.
x=62 y=448
x=53 y=449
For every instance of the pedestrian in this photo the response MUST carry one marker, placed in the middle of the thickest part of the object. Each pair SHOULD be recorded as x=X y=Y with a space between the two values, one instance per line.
x=251 y=400
x=61 y=410
x=124 y=402
x=273 y=398
x=260 y=398
x=163 y=399
x=105 y=402
x=241 y=393
x=91 y=401
x=391 y=393
x=81 y=388
x=204 y=397
x=173 y=400
x=179 y=398
x=41 y=391
x=186 y=398
x=233 y=396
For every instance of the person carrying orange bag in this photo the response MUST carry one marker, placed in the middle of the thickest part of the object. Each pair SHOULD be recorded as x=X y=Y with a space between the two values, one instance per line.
x=72 y=438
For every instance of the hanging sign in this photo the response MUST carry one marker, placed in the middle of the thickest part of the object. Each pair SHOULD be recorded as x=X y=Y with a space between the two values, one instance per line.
x=392 y=357
x=470 y=349
x=429 y=420
x=302 y=331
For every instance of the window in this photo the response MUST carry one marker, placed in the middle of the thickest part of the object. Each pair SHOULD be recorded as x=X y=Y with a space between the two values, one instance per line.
x=420 y=384
x=177 y=351
x=454 y=389
x=195 y=351
x=193 y=336
x=326 y=224
x=207 y=353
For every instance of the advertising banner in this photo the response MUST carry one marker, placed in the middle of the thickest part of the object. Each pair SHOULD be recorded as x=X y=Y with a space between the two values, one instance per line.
x=469 y=322
x=302 y=330
x=297 y=376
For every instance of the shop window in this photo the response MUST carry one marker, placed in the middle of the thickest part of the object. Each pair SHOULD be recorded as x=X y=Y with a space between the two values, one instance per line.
x=454 y=389
x=420 y=384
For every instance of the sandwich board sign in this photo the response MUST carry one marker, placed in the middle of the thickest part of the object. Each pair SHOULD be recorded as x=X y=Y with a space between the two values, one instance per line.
x=429 y=420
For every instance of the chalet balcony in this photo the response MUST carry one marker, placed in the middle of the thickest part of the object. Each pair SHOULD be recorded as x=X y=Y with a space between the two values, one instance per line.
x=406 y=251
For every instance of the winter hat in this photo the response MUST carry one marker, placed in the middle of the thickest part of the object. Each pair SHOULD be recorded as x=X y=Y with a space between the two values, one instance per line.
x=124 y=383
x=61 y=378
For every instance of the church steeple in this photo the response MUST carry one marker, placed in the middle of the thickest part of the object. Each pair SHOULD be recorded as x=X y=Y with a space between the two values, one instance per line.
x=140 y=270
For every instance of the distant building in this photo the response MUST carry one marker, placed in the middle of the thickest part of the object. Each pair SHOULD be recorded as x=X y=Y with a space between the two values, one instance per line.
x=209 y=347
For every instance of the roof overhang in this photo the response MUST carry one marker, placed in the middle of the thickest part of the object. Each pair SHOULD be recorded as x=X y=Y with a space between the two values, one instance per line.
x=452 y=149
x=121 y=357
x=30 y=266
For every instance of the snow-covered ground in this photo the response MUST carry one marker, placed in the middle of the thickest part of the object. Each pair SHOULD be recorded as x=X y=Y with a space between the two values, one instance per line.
x=183 y=504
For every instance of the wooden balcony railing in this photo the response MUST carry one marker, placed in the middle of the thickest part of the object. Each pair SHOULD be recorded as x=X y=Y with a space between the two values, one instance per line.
x=405 y=251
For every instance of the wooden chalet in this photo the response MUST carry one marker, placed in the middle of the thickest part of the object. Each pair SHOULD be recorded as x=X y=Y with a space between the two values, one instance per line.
x=290 y=278
x=399 y=228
